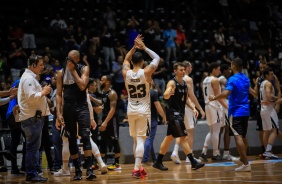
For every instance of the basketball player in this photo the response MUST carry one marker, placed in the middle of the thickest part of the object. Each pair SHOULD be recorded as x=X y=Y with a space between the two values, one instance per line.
x=213 y=111
x=137 y=82
x=190 y=119
x=110 y=127
x=225 y=74
x=177 y=95
x=268 y=114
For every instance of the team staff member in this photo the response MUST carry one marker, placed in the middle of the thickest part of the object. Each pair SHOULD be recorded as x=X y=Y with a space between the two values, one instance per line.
x=237 y=91
x=33 y=106
x=73 y=80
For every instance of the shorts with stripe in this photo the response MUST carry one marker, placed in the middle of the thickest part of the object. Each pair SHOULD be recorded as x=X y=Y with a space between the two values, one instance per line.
x=213 y=114
x=139 y=125
x=239 y=125
x=190 y=119
x=176 y=126
x=269 y=119
x=112 y=130
x=225 y=121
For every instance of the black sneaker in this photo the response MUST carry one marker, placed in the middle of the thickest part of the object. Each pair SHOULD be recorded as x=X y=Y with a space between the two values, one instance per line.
x=36 y=178
x=78 y=174
x=197 y=165
x=203 y=157
x=160 y=166
x=216 y=158
x=90 y=175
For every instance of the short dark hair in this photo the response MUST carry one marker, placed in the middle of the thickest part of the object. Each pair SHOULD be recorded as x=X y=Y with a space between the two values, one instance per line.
x=266 y=71
x=91 y=80
x=33 y=59
x=175 y=66
x=212 y=66
x=137 y=57
x=238 y=63
x=224 y=67
x=109 y=78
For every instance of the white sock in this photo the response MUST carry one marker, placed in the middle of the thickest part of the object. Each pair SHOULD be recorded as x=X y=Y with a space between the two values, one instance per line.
x=268 y=148
x=215 y=152
x=175 y=149
x=226 y=153
x=138 y=164
x=65 y=165
x=205 y=149
x=100 y=161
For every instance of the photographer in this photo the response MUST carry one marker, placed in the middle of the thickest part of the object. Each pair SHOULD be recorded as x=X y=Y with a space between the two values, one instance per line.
x=33 y=106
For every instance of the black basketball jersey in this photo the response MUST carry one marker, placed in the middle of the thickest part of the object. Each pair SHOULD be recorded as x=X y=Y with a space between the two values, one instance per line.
x=72 y=93
x=178 y=100
x=106 y=102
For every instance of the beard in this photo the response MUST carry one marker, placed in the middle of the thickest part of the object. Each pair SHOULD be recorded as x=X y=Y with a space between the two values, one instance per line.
x=102 y=86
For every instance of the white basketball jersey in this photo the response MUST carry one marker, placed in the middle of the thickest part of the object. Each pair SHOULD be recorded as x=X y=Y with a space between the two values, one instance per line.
x=207 y=91
x=138 y=90
x=263 y=97
x=222 y=87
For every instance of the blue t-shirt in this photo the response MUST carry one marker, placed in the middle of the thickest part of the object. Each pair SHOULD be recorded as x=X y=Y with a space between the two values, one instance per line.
x=13 y=102
x=238 y=104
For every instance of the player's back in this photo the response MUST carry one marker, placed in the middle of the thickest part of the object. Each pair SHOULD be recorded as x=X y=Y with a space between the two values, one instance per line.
x=263 y=97
x=208 y=90
x=138 y=90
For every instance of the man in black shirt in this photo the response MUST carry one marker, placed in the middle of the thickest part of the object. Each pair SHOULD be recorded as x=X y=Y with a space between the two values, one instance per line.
x=110 y=127
x=71 y=87
x=176 y=94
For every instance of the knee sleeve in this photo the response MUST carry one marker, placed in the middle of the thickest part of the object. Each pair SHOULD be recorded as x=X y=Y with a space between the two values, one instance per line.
x=140 y=147
x=85 y=139
x=116 y=146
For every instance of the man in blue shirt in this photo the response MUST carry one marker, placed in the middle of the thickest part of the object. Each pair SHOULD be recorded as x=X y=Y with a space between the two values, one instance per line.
x=237 y=90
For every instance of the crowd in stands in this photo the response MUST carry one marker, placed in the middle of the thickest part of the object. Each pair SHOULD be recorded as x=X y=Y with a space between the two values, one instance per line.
x=104 y=30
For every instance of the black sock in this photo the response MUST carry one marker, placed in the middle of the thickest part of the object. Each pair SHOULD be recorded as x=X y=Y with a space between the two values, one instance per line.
x=191 y=158
x=263 y=149
x=160 y=158
x=88 y=163
x=76 y=163
x=117 y=160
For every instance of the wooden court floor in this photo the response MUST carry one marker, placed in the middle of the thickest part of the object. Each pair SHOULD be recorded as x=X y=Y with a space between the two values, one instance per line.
x=263 y=171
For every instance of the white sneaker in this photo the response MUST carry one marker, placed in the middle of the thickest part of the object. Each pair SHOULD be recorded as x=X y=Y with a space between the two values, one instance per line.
x=243 y=168
x=230 y=158
x=104 y=169
x=175 y=159
x=62 y=172
x=187 y=160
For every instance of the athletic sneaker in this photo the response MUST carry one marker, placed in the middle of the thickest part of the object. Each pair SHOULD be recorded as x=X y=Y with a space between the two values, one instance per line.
x=78 y=174
x=188 y=160
x=230 y=158
x=104 y=169
x=203 y=157
x=216 y=158
x=143 y=172
x=136 y=173
x=175 y=159
x=243 y=168
x=197 y=165
x=160 y=166
x=114 y=167
x=269 y=155
x=90 y=175
x=62 y=172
